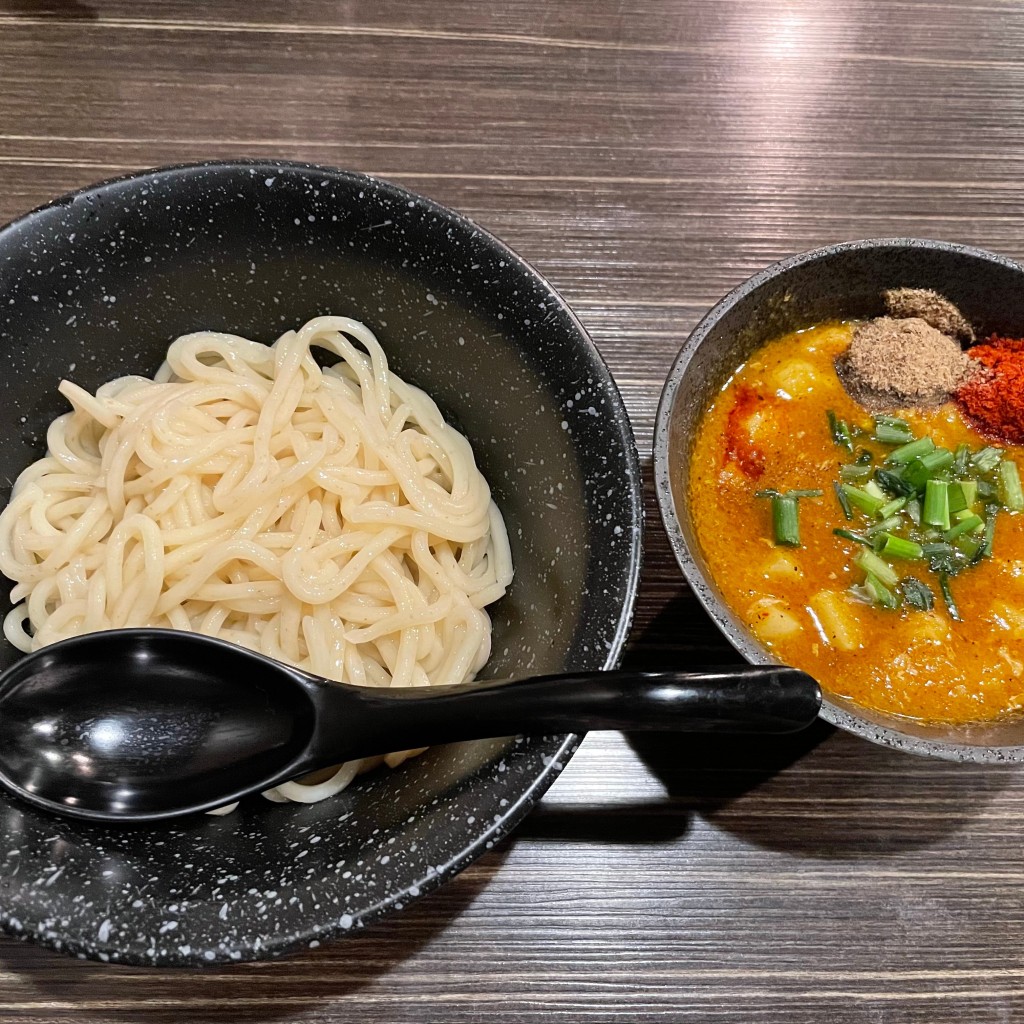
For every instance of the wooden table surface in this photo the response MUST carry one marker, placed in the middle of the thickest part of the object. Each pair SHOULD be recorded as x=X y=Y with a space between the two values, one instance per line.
x=646 y=157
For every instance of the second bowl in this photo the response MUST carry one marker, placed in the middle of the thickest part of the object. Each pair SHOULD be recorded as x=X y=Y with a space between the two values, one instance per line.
x=839 y=282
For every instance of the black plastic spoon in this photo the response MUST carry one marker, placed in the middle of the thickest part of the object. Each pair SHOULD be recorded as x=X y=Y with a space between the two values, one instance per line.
x=142 y=724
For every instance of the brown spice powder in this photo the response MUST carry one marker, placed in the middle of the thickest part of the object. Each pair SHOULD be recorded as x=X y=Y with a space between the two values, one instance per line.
x=894 y=364
x=933 y=308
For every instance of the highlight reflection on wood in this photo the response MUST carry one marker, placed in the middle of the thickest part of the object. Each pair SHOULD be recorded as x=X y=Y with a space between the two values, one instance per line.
x=647 y=157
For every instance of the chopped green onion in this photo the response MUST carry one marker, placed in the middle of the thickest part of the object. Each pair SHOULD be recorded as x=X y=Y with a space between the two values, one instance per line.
x=890 y=430
x=883 y=526
x=943 y=557
x=870 y=562
x=898 y=547
x=924 y=502
x=909 y=452
x=916 y=475
x=986 y=459
x=857 y=538
x=917 y=594
x=957 y=499
x=970 y=547
x=786 y=514
x=844 y=501
x=921 y=470
x=938 y=460
x=892 y=507
x=855 y=471
x=990 y=529
x=840 y=431
x=770 y=492
x=962 y=494
x=892 y=421
x=862 y=499
x=880 y=593
x=893 y=482
x=972 y=522
x=786 y=520
x=947 y=596
x=1009 y=486
x=936 y=503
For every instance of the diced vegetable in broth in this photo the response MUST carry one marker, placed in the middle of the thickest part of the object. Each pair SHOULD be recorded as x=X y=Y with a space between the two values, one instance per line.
x=1016 y=666
x=1009 y=617
x=930 y=627
x=759 y=422
x=771 y=621
x=796 y=377
x=781 y=565
x=836 y=619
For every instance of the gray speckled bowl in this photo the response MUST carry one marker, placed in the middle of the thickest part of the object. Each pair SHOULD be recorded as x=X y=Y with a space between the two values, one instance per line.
x=96 y=285
x=843 y=281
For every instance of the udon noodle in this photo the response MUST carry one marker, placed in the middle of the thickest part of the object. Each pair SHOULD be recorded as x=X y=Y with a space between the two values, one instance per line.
x=328 y=518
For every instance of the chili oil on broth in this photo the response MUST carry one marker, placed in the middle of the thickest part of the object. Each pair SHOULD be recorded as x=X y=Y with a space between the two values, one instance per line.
x=767 y=428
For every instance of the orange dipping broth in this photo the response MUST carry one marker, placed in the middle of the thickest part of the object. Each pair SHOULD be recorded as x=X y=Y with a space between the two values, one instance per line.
x=767 y=428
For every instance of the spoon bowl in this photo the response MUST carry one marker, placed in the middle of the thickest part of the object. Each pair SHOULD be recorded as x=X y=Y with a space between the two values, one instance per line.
x=146 y=719
x=144 y=724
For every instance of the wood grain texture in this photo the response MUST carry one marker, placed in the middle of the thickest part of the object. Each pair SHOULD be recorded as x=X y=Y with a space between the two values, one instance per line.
x=647 y=157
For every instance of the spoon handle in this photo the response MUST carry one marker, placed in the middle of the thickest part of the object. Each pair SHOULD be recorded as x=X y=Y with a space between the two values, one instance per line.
x=745 y=699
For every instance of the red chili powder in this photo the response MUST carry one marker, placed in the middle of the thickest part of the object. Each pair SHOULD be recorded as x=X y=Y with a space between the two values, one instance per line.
x=994 y=401
x=739 y=447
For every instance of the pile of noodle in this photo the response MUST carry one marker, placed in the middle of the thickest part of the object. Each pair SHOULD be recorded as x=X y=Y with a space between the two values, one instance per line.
x=328 y=518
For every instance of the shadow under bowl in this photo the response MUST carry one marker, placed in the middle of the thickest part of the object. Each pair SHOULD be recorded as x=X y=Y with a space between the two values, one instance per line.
x=95 y=286
x=838 y=282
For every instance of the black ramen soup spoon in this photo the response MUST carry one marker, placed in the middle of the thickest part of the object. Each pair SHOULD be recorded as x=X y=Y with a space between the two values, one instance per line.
x=146 y=724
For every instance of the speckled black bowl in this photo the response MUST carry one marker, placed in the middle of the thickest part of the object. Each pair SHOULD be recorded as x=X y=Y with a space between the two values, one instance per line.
x=843 y=281
x=96 y=285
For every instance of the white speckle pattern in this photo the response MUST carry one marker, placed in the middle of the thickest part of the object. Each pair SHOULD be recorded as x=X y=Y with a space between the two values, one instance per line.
x=101 y=281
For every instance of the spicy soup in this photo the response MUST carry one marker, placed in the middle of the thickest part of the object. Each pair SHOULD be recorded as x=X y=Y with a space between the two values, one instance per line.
x=768 y=430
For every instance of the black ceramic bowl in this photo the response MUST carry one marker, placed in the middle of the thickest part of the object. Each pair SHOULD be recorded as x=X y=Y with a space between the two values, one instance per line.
x=838 y=282
x=96 y=285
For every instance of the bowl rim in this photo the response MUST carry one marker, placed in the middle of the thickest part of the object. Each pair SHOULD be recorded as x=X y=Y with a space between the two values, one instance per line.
x=738 y=635
x=558 y=748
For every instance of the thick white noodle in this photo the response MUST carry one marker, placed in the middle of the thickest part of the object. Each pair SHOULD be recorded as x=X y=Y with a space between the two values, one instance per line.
x=329 y=518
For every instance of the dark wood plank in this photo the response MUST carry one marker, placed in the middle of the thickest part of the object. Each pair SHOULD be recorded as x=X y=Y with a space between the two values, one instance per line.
x=647 y=157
